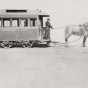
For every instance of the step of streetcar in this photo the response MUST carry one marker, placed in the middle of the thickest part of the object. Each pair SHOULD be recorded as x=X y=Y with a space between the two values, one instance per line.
x=44 y=41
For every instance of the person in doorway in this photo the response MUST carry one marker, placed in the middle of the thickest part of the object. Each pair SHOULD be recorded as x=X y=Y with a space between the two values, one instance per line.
x=47 y=30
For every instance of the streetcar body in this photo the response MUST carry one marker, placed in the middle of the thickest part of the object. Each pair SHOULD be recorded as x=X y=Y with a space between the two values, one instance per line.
x=22 y=26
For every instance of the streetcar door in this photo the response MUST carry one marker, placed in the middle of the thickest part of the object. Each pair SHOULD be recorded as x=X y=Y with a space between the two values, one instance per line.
x=43 y=26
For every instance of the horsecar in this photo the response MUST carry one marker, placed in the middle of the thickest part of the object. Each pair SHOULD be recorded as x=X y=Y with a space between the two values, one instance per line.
x=22 y=28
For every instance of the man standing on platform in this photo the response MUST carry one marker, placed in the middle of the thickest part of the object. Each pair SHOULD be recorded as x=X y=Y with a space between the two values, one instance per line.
x=47 y=30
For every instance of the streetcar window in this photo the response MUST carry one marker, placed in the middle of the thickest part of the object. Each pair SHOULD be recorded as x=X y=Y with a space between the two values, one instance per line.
x=14 y=22
x=33 y=22
x=23 y=22
x=44 y=21
x=6 y=22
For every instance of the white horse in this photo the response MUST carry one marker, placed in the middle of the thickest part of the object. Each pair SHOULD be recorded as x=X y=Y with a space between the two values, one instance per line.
x=79 y=30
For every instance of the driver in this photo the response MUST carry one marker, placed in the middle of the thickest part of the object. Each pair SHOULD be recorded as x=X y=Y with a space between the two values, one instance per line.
x=47 y=30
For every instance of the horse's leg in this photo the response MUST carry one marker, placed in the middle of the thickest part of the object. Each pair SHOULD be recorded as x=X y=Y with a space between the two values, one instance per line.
x=84 y=40
x=66 y=39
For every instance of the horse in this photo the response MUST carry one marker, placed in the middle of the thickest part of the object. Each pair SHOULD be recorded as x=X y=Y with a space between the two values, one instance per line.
x=78 y=30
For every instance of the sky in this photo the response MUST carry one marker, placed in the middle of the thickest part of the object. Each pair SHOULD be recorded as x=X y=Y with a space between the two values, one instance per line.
x=62 y=12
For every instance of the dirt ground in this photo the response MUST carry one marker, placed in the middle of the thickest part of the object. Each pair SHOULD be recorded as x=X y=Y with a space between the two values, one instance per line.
x=51 y=67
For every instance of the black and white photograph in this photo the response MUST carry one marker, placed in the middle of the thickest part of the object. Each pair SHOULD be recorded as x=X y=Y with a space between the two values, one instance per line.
x=43 y=43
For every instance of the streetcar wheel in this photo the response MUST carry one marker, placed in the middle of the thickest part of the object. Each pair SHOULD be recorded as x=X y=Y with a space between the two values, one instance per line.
x=30 y=44
x=9 y=46
x=48 y=43
x=23 y=46
x=2 y=45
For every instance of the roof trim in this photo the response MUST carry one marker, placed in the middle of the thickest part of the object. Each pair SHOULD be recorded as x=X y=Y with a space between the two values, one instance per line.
x=23 y=13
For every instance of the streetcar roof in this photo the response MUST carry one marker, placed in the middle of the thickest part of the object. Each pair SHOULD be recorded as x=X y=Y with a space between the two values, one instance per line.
x=22 y=13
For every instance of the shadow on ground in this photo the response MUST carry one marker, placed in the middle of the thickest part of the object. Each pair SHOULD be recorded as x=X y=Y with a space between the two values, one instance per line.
x=41 y=46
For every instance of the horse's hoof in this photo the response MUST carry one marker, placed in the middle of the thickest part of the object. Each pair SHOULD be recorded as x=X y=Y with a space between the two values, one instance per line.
x=84 y=46
x=66 y=46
